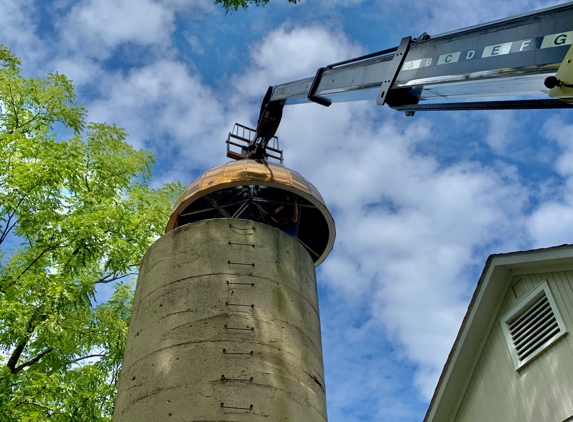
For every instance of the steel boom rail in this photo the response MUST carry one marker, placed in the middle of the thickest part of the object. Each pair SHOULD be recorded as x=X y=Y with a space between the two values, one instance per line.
x=529 y=54
x=509 y=57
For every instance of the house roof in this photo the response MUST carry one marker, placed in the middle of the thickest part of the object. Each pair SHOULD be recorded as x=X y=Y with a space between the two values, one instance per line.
x=480 y=317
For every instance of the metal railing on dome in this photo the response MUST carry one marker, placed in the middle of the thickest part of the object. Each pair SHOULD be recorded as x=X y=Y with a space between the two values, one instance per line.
x=240 y=138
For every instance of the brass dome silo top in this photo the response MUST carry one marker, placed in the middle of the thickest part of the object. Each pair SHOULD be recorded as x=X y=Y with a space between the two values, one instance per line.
x=315 y=226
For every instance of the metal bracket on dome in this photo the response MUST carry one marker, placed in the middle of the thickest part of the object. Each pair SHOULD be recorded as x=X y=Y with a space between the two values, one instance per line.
x=241 y=137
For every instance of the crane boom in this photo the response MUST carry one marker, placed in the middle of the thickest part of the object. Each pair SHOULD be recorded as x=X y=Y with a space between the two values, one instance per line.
x=528 y=54
x=509 y=57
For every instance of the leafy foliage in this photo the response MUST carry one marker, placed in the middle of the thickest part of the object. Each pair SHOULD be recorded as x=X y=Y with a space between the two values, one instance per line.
x=232 y=5
x=73 y=213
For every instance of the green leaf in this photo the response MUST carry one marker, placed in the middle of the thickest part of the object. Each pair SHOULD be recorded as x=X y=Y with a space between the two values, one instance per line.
x=233 y=5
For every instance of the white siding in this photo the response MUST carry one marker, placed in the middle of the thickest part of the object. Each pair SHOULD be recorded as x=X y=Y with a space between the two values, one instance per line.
x=542 y=390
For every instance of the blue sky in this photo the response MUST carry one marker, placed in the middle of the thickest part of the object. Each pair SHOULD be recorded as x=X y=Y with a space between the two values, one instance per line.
x=419 y=202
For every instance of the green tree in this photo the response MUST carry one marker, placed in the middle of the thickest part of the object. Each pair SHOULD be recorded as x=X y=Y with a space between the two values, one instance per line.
x=232 y=5
x=73 y=214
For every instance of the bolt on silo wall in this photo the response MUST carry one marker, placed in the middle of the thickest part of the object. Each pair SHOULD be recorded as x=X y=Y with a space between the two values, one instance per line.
x=225 y=327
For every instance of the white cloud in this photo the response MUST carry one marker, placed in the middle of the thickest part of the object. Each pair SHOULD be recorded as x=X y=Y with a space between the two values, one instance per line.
x=407 y=226
x=80 y=69
x=502 y=130
x=293 y=52
x=559 y=131
x=441 y=16
x=165 y=106
x=365 y=382
x=551 y=223
x=195 y=43
x=162 y=103
x=18 y=25
x=97 y=27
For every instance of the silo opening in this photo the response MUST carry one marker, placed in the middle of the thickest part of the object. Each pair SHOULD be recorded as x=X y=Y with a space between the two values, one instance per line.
x=273 y=206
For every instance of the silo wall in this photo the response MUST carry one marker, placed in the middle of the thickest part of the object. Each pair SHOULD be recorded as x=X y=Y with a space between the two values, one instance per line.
x=225 y=327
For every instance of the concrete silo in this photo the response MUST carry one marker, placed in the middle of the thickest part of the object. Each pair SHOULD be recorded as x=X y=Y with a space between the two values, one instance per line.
x=225 y=323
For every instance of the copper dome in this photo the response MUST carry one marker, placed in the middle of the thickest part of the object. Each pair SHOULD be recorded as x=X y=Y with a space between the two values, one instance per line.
x=222 y=185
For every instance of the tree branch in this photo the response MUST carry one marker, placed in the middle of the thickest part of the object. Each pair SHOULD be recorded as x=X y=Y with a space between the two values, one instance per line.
x=30 y=121
x=4 y=288
x=97 y=355
x=12 y=103
x=15 y=356
x=31 y=403
x=112 y=277
x=87 y=183
x=9 y=228
x=32 y=361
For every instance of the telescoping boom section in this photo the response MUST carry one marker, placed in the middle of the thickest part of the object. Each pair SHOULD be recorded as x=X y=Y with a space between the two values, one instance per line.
x=510 y=57
x=526 y=58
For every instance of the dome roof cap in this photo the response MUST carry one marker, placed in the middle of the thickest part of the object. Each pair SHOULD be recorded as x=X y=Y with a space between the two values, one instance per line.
x=260 y=191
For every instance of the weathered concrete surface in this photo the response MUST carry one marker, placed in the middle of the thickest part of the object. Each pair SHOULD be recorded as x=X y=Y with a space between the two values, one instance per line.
x=193 y=354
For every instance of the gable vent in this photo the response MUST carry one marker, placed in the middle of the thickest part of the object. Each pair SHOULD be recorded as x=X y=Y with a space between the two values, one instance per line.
x=532 y=325
x=534 y=328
